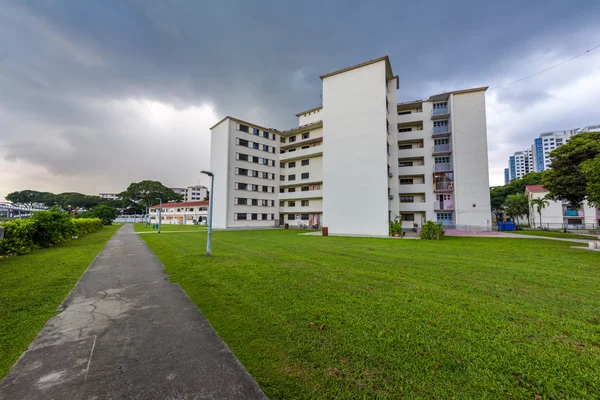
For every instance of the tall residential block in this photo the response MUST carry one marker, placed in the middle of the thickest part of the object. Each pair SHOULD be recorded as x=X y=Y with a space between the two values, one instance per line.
x=358 y=161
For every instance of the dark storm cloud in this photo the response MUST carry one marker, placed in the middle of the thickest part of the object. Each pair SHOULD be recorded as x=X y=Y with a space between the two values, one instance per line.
x=82 y=83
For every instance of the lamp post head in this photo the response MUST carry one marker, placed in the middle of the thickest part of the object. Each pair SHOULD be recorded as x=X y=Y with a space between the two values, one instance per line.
x=207 y=173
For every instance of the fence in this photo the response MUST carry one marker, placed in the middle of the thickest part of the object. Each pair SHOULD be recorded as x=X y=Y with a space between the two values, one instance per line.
x=564 y=226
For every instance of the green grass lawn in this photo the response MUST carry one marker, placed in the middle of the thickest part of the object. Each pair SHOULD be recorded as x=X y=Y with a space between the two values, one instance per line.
x=33 y=285
x=169 y=227
x=313 y=317
x=556 y=234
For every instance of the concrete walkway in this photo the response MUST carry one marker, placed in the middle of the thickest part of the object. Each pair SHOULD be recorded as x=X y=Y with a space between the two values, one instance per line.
x=126 y=332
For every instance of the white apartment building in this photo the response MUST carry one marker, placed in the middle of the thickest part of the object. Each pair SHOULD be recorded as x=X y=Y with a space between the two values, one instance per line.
x=109 y=196
x=195 y=193
x=358 y=160
x=560 y=214
x=186 y=213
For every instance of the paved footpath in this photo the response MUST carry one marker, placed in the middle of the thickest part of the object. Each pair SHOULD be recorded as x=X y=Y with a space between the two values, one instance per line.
x=126 y=332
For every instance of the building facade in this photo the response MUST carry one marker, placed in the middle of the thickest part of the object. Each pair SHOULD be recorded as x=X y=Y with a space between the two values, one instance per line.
x=357 y=161
x=560 y=214
x=195 y=193
x=109 y=196
x=186 y=213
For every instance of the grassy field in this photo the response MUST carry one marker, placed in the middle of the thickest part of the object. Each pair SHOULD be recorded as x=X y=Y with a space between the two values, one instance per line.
x=169 y=227
x=32 y=286
x=556 y=234
x=313 y=317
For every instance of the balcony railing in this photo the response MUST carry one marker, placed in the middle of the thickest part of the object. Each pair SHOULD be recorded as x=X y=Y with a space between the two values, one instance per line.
x=439 y=111
x=444 y=186
x=442 y=167
x=438 y=130
x=442 y=148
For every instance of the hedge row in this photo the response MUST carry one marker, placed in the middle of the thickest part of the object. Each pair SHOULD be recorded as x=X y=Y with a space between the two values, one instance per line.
x=44 y=229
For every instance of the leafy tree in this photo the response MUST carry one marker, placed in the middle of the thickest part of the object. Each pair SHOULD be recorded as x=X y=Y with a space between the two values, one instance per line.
x=26 y=198
x=145 y=193
x=498 y=194
x=566 y=179
x=106 y=214
x=516 y=205
x=540 y=203
x=591 y=172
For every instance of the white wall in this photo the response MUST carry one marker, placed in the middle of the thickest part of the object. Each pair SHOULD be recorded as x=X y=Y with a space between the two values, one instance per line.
x=469 y=151
x=311 y=117
x=355 y=190
x=219 y=165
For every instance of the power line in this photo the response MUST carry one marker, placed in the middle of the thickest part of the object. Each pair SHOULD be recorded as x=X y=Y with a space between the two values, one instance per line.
x=547 y=69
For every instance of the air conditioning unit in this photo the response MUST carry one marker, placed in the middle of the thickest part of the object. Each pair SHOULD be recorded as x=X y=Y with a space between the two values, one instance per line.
x=391 y=197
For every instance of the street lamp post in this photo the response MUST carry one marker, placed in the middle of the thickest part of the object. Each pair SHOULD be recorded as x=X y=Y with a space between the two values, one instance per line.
x=159 y=213
x=210 y=210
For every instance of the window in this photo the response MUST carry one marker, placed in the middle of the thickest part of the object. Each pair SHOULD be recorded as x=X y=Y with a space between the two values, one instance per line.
x=305 y=188
x=291 y=177
x=442 y=160
x=243 y=157
x=242 y=186
x=265 y=134
x=255 y=188
x=255 y=159
x=407 y=199
x=305 y=147
x=404 y=146
x=405 y=164
x=304 y=217
x=404 y=129
x=304 y=175
x=304 y=203
x=408 y=217
x=281 y=165
x=265 y=161
x=282 y=139
x=265 y=147
x=281 y=190
x=404 y=112
x=254 y=217
x=273 y=164
x=265 y=203
x=306 y=135
x=255 y=145
x=243 y=142
x=242 y=171
x=255 y=174
x=437 y=106
x=264 y=217
x=282 y=177
x=244 y=128
x=291 y=204
x=291 y=150
x=407 y=181
x=305 y=162
x=291 y=217
x=254 y=202
x=291 y=139
x=265 y=175
x=292 y=164
x=242 y=202
x=255 y=131
x=281 y=203
x=291 y=190
x=241 y=216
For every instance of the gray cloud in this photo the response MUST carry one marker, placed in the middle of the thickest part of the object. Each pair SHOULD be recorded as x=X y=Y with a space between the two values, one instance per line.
x=98 y=94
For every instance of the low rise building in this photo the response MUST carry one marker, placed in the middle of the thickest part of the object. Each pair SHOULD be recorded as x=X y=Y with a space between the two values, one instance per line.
x=186 y=213
x=559 y=214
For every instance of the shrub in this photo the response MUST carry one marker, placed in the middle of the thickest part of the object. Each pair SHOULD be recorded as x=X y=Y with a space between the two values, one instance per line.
x=51 y=227
x=82 y=226
x=396 y=226
x=106 y=214
x=18 y=237
x=432 y=231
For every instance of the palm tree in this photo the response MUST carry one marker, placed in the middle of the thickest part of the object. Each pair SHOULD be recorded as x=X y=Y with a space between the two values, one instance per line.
x=540 y=203
x=516 y=205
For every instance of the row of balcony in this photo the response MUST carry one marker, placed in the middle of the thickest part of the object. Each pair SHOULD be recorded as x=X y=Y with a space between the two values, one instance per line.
x=420 y=151
x=438 y=206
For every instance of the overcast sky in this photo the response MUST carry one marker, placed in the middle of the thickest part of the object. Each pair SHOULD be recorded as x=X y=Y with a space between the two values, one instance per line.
x=97 y=94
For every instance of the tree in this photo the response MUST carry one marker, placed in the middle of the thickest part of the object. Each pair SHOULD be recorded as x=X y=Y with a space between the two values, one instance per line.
x=540 y=203
x=566 y=179
x=591 y=172
x=106 y=214
x=498 y=194
x=516 y=205
x=146 y=193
